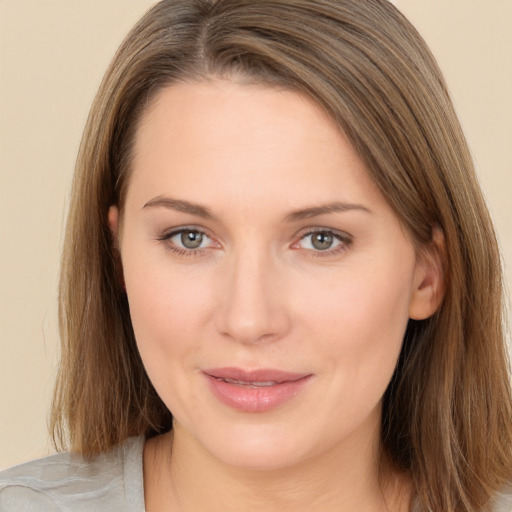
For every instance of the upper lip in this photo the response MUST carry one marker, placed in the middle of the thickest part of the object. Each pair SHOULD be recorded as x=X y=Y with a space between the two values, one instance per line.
x=256 y=375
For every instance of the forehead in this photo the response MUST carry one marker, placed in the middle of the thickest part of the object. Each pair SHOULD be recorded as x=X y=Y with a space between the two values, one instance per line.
x=217 y=111
x=247 y=142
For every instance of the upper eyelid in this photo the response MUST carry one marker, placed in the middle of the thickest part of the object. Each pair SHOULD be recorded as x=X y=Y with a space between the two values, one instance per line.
x=345 y=242
x=166 y=236
x=336 y=232
x=304 y=232
x=169 y=233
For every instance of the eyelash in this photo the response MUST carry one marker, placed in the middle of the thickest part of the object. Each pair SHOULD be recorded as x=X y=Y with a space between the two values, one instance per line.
x=182 y=252
x=344 y=240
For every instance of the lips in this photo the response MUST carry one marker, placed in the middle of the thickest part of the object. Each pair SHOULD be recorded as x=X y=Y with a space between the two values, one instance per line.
x=255 y=390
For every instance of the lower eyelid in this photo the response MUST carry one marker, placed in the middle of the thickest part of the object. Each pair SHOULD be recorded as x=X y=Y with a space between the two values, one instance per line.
x=341 y=237
x=186 y=252
x=166 y=239
x=342 y=247
x=344 y=242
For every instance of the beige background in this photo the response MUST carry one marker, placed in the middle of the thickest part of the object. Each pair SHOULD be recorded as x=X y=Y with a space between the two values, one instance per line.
x=52 y=56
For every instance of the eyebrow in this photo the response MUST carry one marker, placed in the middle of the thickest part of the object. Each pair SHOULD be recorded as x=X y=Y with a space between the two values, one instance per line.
x=181 y=206
x=315 y=211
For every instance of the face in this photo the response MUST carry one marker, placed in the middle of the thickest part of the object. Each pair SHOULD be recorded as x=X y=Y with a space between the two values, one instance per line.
x=269 y=282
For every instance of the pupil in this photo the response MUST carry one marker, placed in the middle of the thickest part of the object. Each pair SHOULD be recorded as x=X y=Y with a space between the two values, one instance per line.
x=191 y=239
x=322 y=241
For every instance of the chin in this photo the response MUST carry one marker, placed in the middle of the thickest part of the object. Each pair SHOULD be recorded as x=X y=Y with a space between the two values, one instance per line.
x=261 y=457
x=256 y=447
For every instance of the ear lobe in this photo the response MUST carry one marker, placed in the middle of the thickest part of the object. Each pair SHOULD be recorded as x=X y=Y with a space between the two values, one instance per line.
x=429 y=278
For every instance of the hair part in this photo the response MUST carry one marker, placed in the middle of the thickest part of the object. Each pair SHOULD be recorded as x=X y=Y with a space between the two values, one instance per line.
x=447 y=411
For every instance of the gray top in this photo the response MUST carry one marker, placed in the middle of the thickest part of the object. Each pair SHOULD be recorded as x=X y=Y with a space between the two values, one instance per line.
x=112 y=482
x=503 y=502
x=65 y=482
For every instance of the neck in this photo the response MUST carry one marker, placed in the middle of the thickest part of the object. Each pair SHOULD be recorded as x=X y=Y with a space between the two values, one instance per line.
x=179 y=476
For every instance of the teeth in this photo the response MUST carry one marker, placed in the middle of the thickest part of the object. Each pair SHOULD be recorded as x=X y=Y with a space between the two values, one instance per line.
x=251 y=384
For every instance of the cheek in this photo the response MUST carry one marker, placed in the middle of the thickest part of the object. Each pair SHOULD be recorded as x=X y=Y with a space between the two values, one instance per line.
x=168 y=314
x=368 y=298
x=168 y=311
x=360 y=324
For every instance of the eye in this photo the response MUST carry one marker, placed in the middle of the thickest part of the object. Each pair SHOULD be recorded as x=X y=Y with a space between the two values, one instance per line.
x=323 y=241
x=187 y=240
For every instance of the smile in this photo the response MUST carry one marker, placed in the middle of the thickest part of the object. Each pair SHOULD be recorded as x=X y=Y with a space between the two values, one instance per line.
x=251 y=384
x=255 y=391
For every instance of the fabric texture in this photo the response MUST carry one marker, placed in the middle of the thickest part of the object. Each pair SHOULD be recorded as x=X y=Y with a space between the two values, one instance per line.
x=65 y=482
x=503 y=502
x=111 y=482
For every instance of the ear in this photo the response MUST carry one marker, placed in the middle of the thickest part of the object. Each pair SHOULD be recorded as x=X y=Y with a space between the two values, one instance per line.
x=113 y=222
x=429 y=278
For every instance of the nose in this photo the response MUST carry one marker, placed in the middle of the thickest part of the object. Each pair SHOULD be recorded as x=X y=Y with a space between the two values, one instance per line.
x=252 y=304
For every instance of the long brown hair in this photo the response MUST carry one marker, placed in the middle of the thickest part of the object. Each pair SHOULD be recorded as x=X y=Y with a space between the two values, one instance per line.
x=447 y=412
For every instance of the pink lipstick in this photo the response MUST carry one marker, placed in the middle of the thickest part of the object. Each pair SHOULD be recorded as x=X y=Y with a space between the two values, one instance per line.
x=255 y=390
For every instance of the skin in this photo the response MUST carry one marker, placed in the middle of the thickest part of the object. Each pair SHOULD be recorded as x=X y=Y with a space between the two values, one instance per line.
x=258 y=294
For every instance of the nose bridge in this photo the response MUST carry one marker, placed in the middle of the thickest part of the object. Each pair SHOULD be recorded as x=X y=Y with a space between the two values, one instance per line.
x=252 y=309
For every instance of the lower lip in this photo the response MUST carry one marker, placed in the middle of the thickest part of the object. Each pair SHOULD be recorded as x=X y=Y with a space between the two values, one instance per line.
x=256 y=399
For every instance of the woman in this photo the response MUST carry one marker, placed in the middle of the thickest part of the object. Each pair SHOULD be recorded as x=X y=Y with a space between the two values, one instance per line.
x=280 y=280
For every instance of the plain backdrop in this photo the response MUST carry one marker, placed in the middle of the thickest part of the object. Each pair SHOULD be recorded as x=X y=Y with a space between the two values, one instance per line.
x=53 y=54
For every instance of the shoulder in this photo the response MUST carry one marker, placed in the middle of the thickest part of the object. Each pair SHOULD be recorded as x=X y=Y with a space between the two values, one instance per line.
x=67 y=482
x=503 y=500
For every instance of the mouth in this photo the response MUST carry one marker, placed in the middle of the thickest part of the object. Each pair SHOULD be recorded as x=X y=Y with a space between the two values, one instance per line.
x=251 y=384
x=255 y=390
